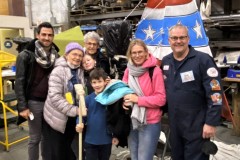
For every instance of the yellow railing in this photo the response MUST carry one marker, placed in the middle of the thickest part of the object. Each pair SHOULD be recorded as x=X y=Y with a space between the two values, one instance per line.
x=6 y=59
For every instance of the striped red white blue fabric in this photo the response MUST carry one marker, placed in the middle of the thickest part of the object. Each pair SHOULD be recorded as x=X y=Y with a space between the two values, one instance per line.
x=160 y=15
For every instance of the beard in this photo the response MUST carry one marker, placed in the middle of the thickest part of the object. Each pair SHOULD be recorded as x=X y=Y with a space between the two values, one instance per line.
x=44 y=45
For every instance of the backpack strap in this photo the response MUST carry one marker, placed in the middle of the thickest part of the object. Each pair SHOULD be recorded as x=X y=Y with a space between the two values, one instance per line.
x=165 y=107
x=150 y=71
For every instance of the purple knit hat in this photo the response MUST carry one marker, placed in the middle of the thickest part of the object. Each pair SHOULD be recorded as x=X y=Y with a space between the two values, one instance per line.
x=73 y=45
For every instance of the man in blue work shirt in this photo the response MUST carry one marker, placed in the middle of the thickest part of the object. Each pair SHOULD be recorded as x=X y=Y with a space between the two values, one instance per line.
x=194 y=105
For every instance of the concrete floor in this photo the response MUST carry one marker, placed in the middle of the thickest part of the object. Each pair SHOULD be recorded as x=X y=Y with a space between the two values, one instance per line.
x=19 y=151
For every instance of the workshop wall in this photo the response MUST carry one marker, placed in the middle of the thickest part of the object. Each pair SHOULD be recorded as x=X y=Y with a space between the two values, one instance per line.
x=54 y=11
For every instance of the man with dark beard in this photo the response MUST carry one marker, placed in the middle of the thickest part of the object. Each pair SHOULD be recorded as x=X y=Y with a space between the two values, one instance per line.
x=34 y=64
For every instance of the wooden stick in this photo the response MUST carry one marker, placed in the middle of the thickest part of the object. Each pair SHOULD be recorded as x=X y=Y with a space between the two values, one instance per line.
x=80 y=133
x=82 y=112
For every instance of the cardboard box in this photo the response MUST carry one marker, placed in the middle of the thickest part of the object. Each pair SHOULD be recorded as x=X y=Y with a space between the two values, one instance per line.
x=4 y=10
x=12 y=7
x=16 y=7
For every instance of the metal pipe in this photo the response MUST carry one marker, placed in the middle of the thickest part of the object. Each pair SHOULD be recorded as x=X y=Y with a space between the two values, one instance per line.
x=69 y=10
x=30 y=14
x=53 y=20
x=234 y=16
x=50 y=4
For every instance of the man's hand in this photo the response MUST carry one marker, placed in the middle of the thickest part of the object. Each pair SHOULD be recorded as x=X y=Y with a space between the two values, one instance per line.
x=208 y=131
x=25 y=113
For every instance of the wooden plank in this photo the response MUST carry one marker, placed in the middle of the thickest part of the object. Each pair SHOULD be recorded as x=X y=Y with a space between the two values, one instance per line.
x=236 y=113
x=231 y=79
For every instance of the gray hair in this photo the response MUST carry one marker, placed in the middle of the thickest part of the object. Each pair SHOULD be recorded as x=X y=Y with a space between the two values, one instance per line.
x=91 y=35
x=178 y=25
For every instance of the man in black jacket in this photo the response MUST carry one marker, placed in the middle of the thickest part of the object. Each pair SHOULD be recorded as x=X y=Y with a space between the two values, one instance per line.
x=34 y=64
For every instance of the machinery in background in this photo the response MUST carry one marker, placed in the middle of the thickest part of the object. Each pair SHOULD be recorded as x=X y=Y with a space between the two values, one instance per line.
x=223 y=31
x=89 y=7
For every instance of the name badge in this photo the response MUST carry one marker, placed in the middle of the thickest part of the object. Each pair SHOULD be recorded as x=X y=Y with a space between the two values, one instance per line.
x=166 y=67
x=187 y=76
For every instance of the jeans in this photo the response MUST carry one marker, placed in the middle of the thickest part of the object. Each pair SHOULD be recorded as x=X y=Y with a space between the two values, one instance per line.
x=143 y=141
x=35 y=129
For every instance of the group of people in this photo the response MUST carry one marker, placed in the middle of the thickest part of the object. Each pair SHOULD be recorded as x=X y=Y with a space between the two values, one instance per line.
x=44 y=80
x=45 y=83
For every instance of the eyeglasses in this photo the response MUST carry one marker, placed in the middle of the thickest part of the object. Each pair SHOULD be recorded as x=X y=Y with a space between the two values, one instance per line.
x=92 y=44
x=181 y=38
x=139 y=53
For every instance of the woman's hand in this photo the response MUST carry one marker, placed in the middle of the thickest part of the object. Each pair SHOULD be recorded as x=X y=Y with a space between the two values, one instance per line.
x=131 y=98
x=79 y=127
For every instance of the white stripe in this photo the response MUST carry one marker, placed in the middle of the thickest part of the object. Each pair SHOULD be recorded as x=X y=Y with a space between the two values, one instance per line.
x=159 y=51
x=177 y=10
x=150 y=13
x=204 y=49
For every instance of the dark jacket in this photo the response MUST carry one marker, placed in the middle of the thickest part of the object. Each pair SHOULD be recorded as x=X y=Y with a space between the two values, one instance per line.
x=25 y=65
x=118 y=122
x=194 y=96
x=102 y=61
x=89 y=88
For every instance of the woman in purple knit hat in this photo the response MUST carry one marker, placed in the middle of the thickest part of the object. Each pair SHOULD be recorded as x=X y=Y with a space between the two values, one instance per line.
x=61 y=107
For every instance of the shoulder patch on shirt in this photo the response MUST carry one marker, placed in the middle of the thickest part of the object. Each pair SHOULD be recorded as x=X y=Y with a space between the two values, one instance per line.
x=212 y=72
x=216 y=99
x=215 y=85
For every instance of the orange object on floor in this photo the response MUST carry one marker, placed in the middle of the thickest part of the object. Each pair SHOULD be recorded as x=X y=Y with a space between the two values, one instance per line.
x=226 y=111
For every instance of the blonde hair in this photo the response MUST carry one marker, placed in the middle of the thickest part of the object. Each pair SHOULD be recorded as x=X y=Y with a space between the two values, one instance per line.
x=134 y=42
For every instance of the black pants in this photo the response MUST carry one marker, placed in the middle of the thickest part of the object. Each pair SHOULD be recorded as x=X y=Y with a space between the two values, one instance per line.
x=56 y=145
x=98 y=152
x=186 y=140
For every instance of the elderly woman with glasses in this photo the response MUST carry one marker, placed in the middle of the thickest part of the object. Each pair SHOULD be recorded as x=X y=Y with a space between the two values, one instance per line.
x=61 y=107
x=146 y=102
x=92 y=47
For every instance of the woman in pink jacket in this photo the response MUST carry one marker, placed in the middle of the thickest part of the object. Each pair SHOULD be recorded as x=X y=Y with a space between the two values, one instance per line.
x=146 y=103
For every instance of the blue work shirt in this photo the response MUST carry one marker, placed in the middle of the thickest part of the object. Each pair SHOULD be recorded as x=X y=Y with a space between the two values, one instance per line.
x=190 y=87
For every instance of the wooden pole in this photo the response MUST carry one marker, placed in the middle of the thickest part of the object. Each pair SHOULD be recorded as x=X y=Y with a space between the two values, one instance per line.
x=82 y=112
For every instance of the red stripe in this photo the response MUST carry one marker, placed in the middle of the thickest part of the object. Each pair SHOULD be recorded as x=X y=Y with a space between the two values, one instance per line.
x=154 y=3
